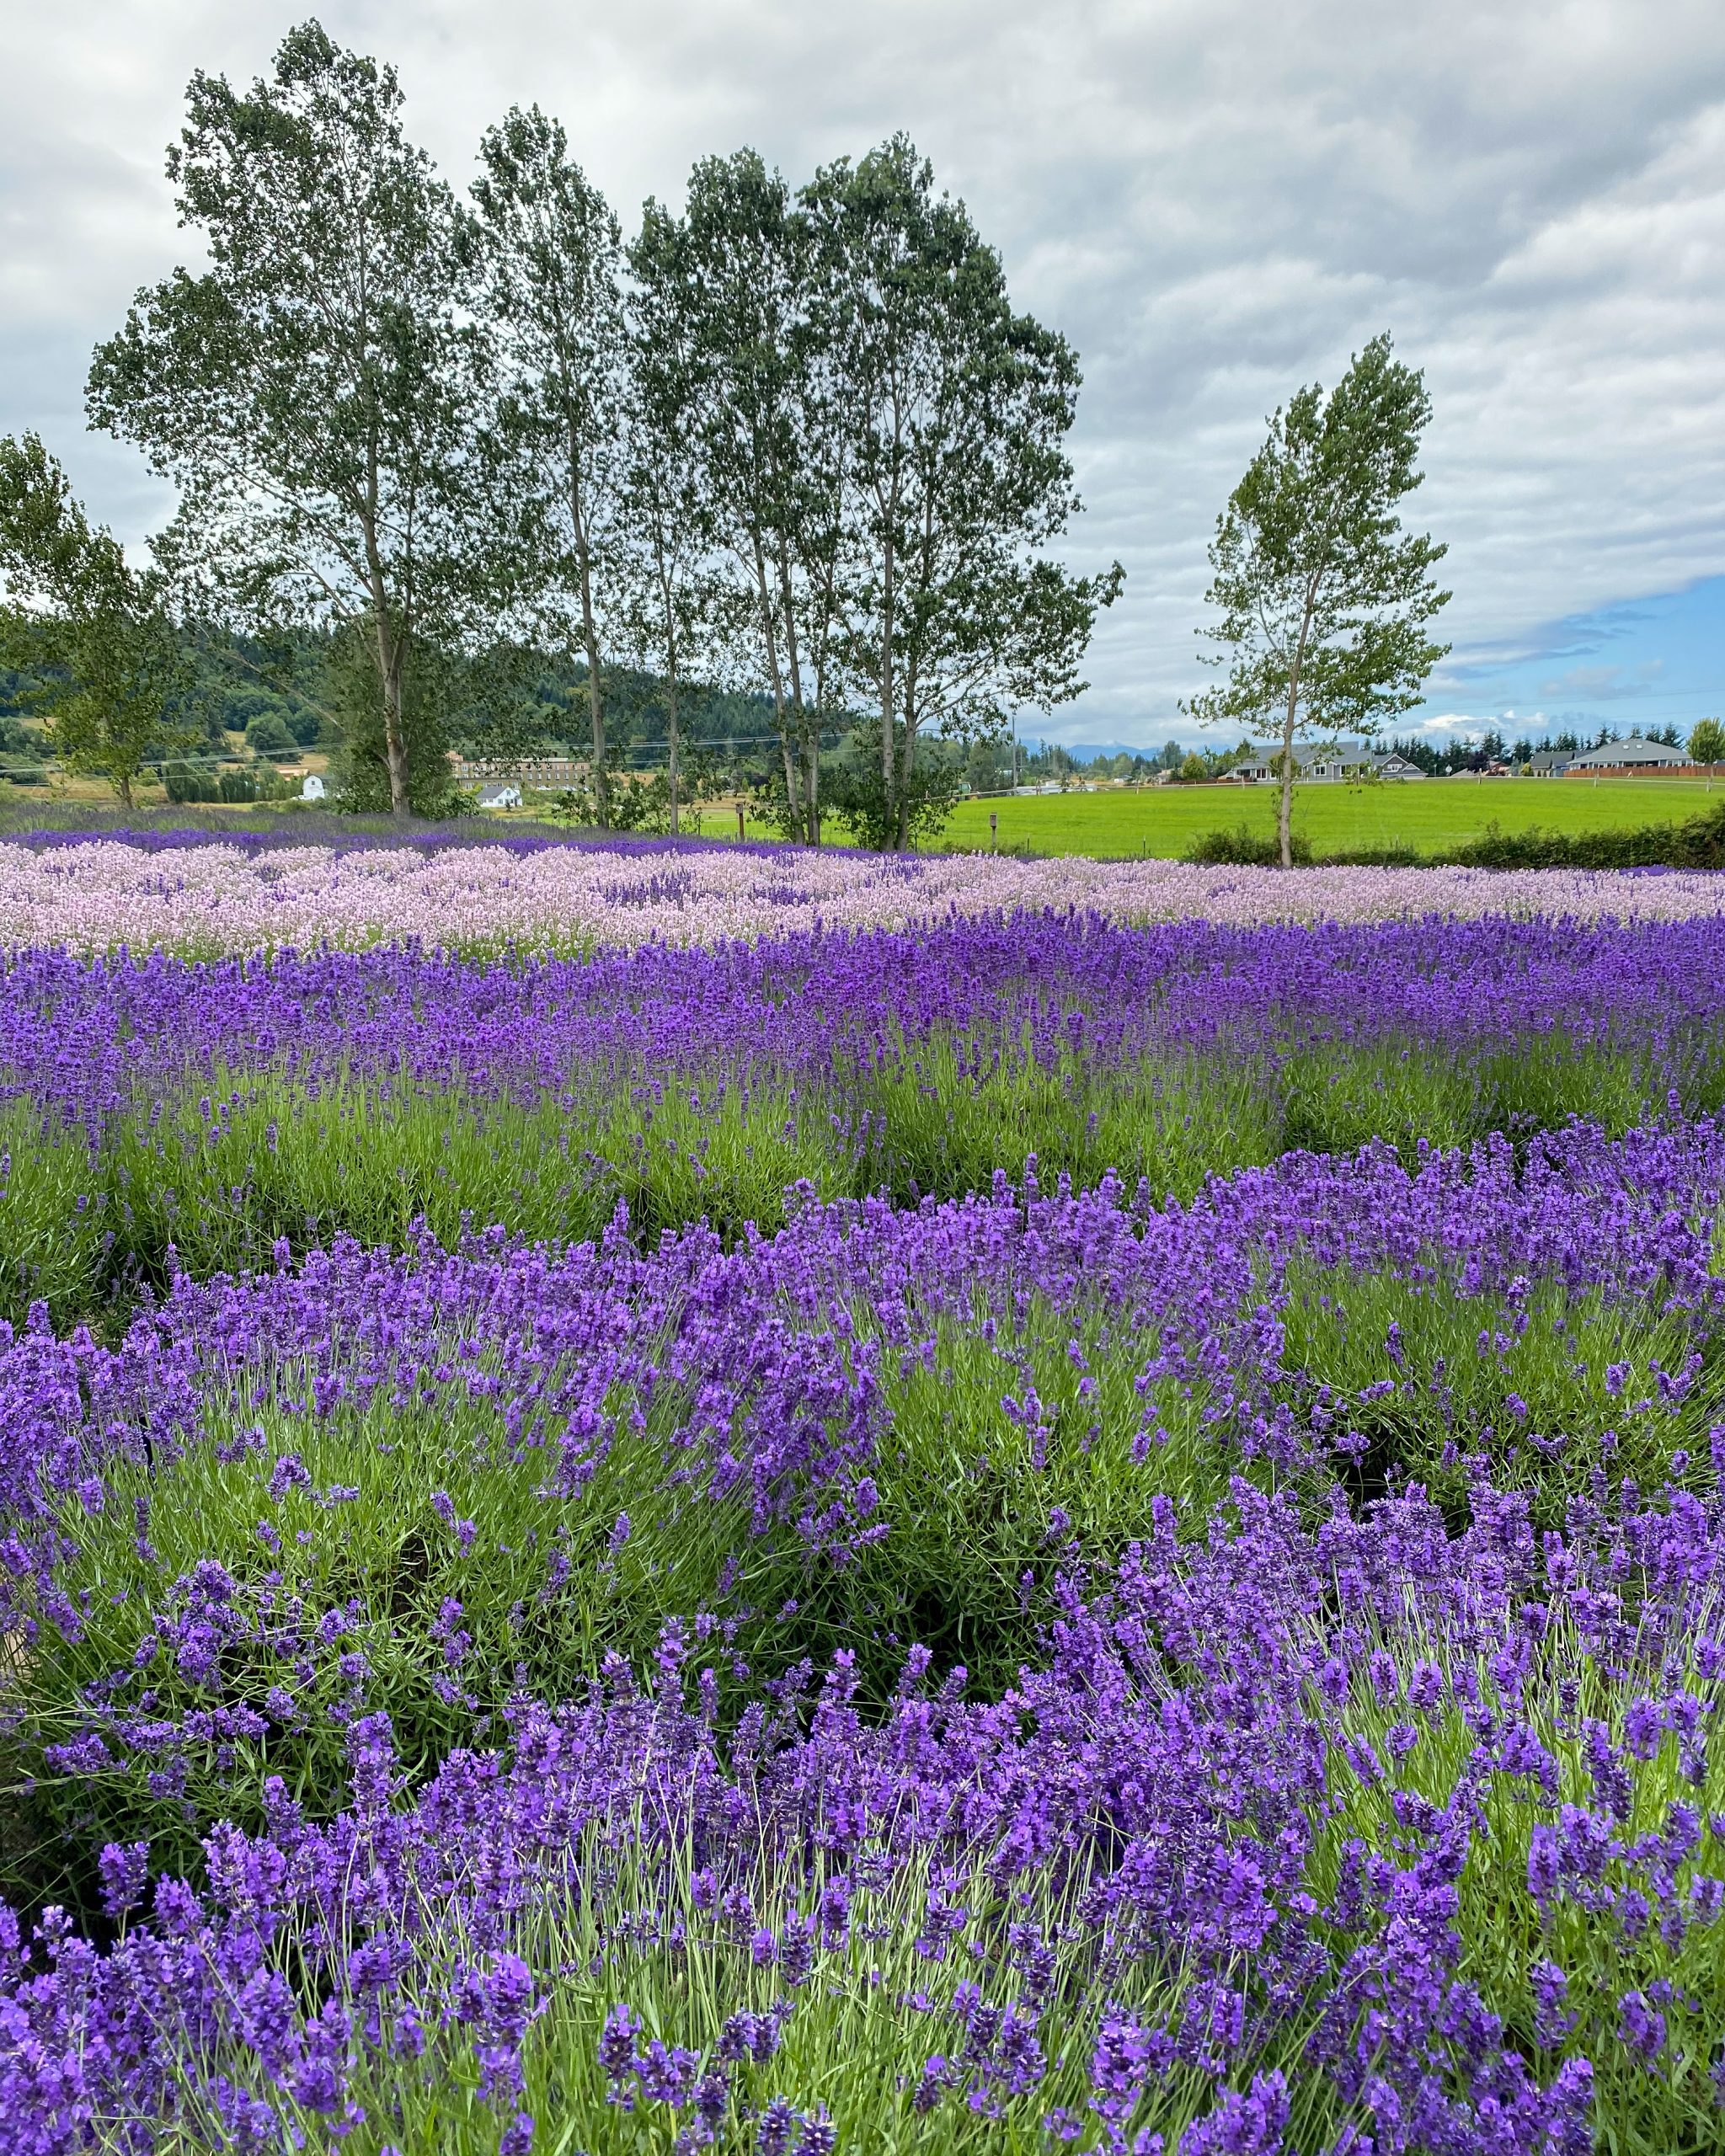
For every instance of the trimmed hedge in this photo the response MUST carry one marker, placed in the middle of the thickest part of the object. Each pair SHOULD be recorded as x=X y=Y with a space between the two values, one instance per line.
x=1699 y=843
x=189 y=783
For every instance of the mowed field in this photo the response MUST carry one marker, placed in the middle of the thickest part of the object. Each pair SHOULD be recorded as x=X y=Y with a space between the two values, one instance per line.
x=1431 y=815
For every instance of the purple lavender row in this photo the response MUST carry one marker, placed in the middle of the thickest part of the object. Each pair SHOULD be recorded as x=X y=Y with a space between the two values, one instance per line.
x=1228 y=1846
x=85 y=1037
x=1635 y=1219
x=1309 y=1826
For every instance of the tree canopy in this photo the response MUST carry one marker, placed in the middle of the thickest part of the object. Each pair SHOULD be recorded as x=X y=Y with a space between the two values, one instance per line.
x=1706 y=743
x=1321 y=598
x=793 y=440
x=315 y=394
x=104 y=660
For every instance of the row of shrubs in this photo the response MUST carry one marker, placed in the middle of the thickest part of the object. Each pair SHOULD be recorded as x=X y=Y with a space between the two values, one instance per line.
x=1697 y=843
x=188 y=783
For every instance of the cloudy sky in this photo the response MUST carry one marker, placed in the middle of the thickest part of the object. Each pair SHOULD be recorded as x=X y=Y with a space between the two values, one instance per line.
x=1216 y=199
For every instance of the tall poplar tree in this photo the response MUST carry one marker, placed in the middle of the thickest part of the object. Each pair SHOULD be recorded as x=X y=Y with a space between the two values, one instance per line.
x=734 y=272
x=315 y=392
x=551 y=252
x=1322 y=598
x=953 y=414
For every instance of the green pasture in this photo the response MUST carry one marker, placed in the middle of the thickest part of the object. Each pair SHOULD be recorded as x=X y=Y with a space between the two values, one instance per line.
x=1431 y=815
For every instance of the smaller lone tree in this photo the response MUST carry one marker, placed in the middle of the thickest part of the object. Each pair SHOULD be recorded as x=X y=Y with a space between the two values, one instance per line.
x=107 y=663
x=1706 y=744
x=1323 y=599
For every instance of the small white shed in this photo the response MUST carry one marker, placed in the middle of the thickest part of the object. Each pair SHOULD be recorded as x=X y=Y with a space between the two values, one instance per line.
x=311 y=787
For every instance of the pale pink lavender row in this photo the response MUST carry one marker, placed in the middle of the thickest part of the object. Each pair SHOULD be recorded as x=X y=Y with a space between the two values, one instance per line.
x=103 y=893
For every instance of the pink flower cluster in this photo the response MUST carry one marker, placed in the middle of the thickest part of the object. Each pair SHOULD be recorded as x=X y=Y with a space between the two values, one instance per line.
x=212 y=899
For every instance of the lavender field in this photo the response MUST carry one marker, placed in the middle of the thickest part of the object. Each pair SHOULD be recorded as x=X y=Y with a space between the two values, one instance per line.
x=665 y=1498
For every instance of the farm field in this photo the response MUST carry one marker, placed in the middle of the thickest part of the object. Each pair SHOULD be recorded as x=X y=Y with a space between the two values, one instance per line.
x=656 y=1498
x=1431 y=815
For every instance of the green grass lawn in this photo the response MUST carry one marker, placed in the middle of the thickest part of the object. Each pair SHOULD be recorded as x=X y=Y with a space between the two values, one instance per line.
x=1431 y=815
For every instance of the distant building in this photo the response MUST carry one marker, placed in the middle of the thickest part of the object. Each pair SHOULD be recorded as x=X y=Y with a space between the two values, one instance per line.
x=311 y=787
x=1548 y=763
x=538 y=775
x=1387 y=764
x=1631 y=756
x=1329 y=762
x=502 y=794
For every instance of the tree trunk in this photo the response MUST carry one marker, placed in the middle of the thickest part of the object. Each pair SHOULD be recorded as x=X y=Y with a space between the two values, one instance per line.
x=671 y=733
x=906 y=763
x=667 y=601
x=123 y=783
x=602 y=776
x=792 y=805
x=802 y=825
x=1284 y=812
x=389 y=649
x=888 y=759
x=590 y=637
x=1285 y=819
x=395 y=746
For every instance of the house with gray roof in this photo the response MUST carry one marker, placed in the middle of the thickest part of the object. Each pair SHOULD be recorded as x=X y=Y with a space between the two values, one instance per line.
x=1328 y=762
x=1634 y=755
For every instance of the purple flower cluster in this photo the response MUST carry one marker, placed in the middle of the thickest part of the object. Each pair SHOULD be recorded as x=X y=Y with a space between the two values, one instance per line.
x=773 y=1348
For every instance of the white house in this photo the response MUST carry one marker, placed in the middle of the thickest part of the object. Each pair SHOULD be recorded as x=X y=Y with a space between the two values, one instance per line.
x=311 y=787
x=502 y=795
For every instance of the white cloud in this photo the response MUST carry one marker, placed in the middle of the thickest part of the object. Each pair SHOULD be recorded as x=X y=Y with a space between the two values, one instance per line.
x=1217 y=200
